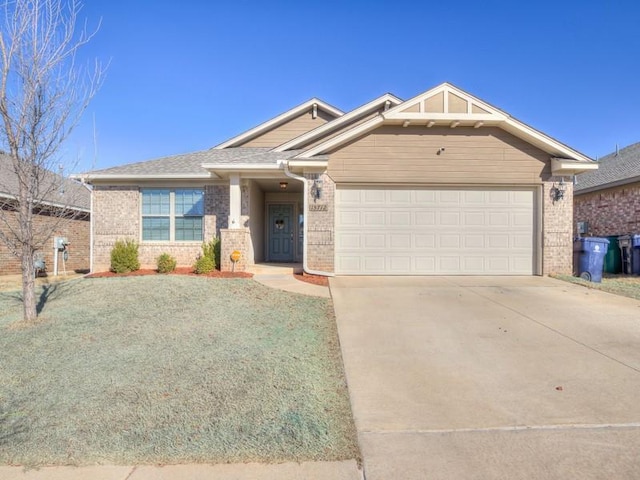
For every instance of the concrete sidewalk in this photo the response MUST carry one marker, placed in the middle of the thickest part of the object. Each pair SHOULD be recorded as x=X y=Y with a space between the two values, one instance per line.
x=345 y=470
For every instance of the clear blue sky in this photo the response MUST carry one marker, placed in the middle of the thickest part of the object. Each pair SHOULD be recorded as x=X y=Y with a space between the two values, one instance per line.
x=184 y=76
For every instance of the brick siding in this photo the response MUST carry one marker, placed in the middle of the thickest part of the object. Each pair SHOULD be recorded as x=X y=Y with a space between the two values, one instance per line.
x=321 y=224
x=557 y=233
x=77 y=232
x=117 y=214
x=611 y=211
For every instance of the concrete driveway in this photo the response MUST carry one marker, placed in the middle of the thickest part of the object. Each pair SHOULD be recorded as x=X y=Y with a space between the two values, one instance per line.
x=491 y=377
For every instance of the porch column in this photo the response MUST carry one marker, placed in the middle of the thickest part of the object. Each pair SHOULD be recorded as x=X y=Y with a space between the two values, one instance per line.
x=235 y=201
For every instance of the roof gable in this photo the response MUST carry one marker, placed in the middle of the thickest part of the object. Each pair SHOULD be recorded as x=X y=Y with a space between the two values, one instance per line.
x=385 y=101
x=314 y=105
x=447 y=105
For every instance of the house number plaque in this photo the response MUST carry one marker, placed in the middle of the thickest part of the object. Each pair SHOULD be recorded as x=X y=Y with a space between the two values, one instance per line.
x=318 y=208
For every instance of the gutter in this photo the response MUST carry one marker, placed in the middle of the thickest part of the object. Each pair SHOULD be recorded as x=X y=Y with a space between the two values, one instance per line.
x=305 y=267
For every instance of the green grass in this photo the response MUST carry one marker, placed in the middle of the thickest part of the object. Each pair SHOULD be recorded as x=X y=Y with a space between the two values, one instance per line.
x=170 y=369
x=627 y=286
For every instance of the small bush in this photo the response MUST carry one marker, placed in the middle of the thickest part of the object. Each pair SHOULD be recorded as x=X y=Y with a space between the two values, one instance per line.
x=166 y=263
x=204 y=265
x=212 y=250
x=124 y=256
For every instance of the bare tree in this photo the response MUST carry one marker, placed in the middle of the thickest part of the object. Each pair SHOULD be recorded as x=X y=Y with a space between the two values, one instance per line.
x=43 y=92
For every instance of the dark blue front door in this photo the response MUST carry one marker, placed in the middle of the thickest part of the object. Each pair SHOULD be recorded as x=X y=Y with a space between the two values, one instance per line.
x=281 y=233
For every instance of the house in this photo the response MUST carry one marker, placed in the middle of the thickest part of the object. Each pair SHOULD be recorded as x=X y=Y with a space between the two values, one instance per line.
x=607 y=200
x=62 y=209
x=443 y=183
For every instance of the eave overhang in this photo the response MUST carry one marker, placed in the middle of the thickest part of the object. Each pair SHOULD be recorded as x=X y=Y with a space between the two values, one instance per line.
x=567 y=166
x=91 y=178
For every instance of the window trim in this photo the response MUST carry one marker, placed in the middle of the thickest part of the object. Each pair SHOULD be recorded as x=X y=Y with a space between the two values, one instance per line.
x=172 y=214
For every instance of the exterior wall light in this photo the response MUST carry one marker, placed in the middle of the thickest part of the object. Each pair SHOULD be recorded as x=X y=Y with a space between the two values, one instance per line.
x=284 y=185
x=558 y=191
x=316 y=189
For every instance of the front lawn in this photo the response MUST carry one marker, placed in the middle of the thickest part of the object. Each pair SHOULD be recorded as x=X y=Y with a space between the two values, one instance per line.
x=171 y=369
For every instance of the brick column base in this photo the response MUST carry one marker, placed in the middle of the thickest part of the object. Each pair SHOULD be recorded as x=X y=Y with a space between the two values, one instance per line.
x=230 y=240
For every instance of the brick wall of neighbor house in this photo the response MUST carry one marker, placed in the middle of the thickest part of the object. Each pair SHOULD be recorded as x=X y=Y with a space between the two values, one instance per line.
x=321 y=224
x=557 y=231
x=77 y=232
x=613 y=211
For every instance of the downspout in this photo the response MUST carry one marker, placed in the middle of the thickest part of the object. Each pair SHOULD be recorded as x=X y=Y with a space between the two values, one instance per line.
x=305 y=268
x=84 y=184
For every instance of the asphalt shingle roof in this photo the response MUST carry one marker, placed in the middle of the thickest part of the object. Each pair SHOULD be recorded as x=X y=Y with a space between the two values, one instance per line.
x=191 y=163
x=72 y=194
x=613 y=168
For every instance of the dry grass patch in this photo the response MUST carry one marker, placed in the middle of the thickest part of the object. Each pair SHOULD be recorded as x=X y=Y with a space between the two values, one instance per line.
x=172 y=369
x=625 y=285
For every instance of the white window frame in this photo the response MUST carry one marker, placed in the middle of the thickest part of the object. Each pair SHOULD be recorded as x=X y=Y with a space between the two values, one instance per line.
x=172 y=215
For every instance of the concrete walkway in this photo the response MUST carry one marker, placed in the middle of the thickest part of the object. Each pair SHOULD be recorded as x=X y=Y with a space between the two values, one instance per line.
x=289 y=283
x=490 y=378
x=346 y=470
x=280 y=276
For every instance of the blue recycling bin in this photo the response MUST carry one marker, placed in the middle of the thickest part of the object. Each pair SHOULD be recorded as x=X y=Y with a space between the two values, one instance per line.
x=589 y=253
x=635 y=244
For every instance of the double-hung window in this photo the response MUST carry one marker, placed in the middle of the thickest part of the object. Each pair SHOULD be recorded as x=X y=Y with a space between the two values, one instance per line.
x=172 y=215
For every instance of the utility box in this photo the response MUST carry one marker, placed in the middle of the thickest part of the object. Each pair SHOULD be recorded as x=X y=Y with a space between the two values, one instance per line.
x=60 y=243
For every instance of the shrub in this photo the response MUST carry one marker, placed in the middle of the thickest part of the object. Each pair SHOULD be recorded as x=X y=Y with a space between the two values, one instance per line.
x=212 y=250
x=166 y=263
x=204 y=265
x=124 y=256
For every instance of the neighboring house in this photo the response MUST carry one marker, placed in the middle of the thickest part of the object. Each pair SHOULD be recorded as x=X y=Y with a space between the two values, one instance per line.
x=608 y=199
x=442 y=184
x=66 y=198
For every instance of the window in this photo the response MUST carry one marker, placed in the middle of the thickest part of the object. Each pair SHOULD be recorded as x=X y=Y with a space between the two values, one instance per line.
x=172 y=215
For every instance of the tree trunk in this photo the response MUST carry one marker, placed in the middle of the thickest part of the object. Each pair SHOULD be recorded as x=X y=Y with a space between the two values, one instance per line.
x=28 y=285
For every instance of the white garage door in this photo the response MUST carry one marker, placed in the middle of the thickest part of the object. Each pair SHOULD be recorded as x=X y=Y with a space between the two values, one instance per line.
x=401 y=231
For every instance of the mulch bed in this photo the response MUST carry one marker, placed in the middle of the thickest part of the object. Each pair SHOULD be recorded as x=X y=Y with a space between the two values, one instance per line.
x=178 y=271
x=314 y=279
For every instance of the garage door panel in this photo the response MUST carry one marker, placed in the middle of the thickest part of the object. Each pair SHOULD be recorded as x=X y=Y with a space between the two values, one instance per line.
x=434 y=231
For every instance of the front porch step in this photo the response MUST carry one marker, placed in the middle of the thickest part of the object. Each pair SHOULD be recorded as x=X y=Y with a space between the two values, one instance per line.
x=275 y=268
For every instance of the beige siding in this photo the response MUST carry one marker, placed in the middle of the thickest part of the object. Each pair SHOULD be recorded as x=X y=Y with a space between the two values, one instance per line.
x=477 y=109
x=457 y=104
x=392 y=154
x=412 y=109
x=289 y=130
x=345 y=127
x=435 y=104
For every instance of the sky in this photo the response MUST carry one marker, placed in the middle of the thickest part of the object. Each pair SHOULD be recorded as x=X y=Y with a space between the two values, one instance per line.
x=185 y=76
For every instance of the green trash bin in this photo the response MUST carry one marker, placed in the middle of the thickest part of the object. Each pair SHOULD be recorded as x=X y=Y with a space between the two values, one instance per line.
x=613 y=259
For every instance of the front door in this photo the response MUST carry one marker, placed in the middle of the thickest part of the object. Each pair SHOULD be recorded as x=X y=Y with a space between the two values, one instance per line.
x=280 y=220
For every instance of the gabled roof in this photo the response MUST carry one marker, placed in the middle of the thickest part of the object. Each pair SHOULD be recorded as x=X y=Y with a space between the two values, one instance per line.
x=386 y=100
x=617 y=168
x=447 y=105
x=56 y=190
x=190 y=166
x=280 y=119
